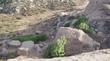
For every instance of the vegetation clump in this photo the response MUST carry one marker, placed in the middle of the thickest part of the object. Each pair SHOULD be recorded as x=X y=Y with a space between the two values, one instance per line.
x=56 y=49
x=83 y=24
x=35 y=38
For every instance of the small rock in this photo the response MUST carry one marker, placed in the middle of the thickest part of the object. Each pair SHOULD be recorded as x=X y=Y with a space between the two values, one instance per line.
x=26 y=48
x=14 y=43
x=4 y=52
x=27 y=44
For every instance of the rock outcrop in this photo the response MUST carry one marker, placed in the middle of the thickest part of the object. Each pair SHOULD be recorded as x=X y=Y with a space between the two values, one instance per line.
x=100 y=55
x=78 y=41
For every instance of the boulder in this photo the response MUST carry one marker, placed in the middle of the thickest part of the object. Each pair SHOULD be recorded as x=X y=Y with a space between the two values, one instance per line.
x=14 y=43
x=78 y=41
x=26 y=48
x=99 y=55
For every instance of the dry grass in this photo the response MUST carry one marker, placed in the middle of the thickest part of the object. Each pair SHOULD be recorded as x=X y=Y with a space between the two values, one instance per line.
x=12 y=23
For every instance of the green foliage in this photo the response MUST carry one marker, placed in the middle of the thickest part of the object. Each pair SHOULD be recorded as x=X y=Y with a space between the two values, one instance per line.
x=5 y=1
x=83 y=24
x=35 y=38
x=56 y=49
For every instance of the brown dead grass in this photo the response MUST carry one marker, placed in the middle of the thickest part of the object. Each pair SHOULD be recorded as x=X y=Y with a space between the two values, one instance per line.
x=12 y=23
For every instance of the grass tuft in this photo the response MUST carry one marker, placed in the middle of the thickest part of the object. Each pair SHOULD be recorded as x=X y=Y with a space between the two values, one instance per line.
x=35 y=38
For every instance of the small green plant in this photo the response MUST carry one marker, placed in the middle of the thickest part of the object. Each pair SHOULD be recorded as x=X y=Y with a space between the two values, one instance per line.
x=35 y=38
x=83 y=24
x=56 y=49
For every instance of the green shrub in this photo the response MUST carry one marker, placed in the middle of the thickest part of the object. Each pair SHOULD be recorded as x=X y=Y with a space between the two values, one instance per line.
x=35 y=38
x=83 y=24
x=56 y=49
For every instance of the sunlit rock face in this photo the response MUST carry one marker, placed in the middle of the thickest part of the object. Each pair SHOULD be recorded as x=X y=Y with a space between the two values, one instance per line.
x=100 y=55
x=25 y=5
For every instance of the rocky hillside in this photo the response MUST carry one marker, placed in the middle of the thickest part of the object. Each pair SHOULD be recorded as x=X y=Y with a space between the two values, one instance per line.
x=35 y=6
x=53 y=30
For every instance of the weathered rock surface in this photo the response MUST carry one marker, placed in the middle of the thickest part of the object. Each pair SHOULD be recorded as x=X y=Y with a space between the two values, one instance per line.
x=14 y=43
x=99 y=55
x=26 y=48
x=78 y=41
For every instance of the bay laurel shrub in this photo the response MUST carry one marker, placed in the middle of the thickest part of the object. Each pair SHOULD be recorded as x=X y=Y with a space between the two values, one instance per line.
x=56 y=49
x=35 y=38
x=83 y=24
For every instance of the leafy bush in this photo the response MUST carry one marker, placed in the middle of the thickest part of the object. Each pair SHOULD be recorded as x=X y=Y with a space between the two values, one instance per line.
x=83 y=24
x=56 y=49
x=35 y=38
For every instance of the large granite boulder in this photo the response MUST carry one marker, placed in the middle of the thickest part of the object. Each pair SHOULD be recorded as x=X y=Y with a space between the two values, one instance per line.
x=100 y=55
x=78 y=41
